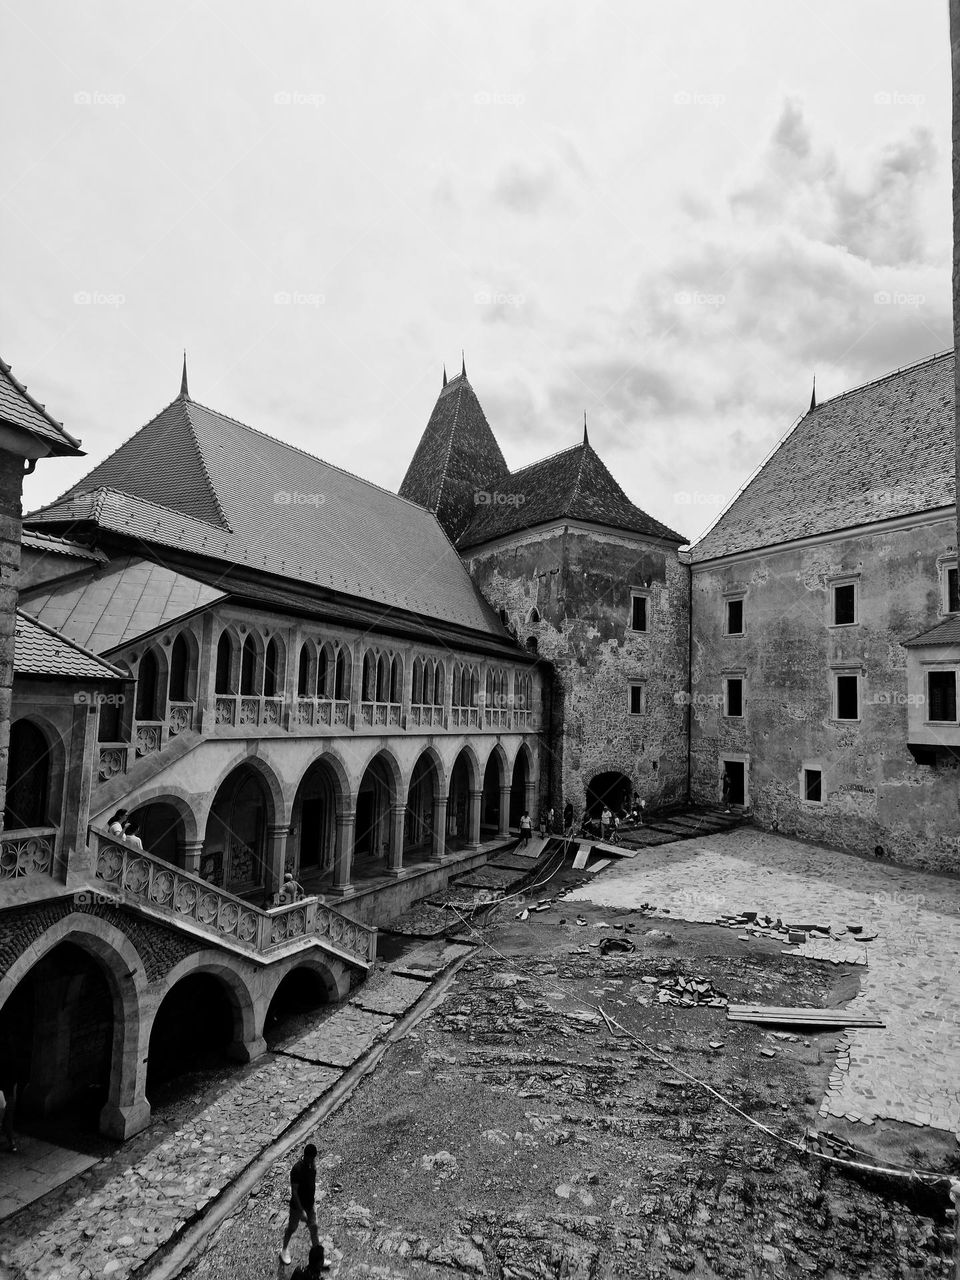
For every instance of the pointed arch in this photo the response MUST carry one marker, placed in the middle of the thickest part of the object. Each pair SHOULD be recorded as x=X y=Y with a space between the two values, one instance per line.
x=251 y=675
x=273 y=668
x=341 y=684
x=306 y=671
x=417 y=686
x=149 y=696
x=383 y=679
x=225 y=679
x=368 y=689
x=183 y=667
x=438 y=683
x=396 y=679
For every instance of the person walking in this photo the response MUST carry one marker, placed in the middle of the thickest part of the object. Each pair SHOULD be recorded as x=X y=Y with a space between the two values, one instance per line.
x=606 y=822
x=303 y=1195
x=526 y=828
x=316 y=1265
x=567 y=816
x=725 y=791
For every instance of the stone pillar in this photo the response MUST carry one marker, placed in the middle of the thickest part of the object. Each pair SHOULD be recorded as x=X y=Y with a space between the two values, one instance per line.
x=473 y=819
x=343 y=858
x=530 y=801
x=398 y=813
x=276 y=852
x=122 y=1122
x=190 y=854
x=439 y=849
x=504 y=827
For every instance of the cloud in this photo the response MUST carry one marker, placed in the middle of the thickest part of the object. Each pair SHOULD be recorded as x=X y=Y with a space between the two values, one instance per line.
x=526 y=188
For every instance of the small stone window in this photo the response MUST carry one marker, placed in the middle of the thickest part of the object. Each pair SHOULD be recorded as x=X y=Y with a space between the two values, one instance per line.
x=637 y=697
x=733 y=696
x=949 y=589
x=639 y=610
x=942 y=697
x=846 y=699
x=813 y=786
x=734 y=617
x=844 y=604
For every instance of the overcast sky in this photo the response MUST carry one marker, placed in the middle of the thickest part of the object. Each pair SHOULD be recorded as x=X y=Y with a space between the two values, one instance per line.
x=667 y=215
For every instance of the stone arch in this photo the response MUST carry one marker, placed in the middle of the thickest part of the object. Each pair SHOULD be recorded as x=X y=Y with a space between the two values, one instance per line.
x=39 y=781
x=163 y=793
x=247 y=801
x=427 y=784
x=274 y=665
x=379 y=790
x=252 y=650
x=126 y=1111
x=184 y=665
x=495 y=779
x=523 y=784
x=334 y=976
x=309 y=684
x=271 y=780
x=323 y=791
x=227 y=662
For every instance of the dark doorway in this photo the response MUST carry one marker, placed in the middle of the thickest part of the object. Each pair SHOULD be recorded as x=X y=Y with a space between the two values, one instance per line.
x=518 y=789
x=312 y=827
x=28 y=777
x=192 y=1030
x=295 y=1006
x=612 y=789
x=735 y=772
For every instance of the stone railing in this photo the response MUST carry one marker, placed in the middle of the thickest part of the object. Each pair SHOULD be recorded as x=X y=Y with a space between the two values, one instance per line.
x=114 y=759
x=148 y=736
x=426 y=716
x=327 y=712
x=141 y=877
x=179 y=718
x=26 y=852
x=497 y=718
x=386 y=714
x=465 y=717
x=247 y=710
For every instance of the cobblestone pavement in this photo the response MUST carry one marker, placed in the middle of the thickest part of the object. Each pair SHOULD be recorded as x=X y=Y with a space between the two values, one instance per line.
x=907 y=1070
x=122 y=1210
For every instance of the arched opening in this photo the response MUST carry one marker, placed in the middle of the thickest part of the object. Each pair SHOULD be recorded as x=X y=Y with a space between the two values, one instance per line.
x=438 y=685
x=248 y=667
x=56 y=1038
x=224 y=677
x=272 y=673
x=416 y=688
x=235 y=845
x=418 y=820
x=342 y=676
x=396 y=680
x=519 y=788
x=180 y=670
x=458 y=802
x=368 y=689
x=490 y=801
x=293 y=1009
x=383 y=679
x=374 y=798
x=162 y=830
x=304 y=689
x=325 y=667
x=192 y=1031
x=612 y=789
x=28 y=778
x=148 y=687
x=312 y=845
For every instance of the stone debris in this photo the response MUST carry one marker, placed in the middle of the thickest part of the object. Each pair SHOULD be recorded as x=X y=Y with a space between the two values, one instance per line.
x=687 y=992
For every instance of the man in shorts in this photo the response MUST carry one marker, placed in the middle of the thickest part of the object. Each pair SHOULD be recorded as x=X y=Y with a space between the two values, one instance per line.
x=303 y=1195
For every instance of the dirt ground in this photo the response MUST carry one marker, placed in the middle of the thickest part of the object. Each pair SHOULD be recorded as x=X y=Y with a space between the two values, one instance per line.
x=515 y=1134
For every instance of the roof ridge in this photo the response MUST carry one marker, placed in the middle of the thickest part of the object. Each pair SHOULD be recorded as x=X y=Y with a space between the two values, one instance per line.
x=449 y=453
x=875 y=382
x=58 y=635
x=184 y=401
x=576 y=483
x=548 y=458
x=103 y=491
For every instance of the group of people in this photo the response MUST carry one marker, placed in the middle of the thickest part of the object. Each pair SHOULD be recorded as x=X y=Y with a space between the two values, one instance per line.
x=610 y=822
x=126 y=828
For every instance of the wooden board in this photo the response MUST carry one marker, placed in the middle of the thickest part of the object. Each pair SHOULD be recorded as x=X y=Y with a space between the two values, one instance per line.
x=800 y=1016
x=583 y=853
x=598 y=866
x=533 y=849
x=618 y=850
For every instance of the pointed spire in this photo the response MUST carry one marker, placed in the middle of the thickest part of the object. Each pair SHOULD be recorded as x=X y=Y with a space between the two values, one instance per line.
x=813 y=395
x=586 y=438
x=444 y=375
x=463 y=364
x=184 y=392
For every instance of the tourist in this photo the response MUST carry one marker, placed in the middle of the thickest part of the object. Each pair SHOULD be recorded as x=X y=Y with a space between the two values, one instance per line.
x=115 y=825
x=606 y=822
x=292 y=890
x=526 y=828
x=315 y=1266
x=131 y=834
x=567 y=816
x=303 y=1194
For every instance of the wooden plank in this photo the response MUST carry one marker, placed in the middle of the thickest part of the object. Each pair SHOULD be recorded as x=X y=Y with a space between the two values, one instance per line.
x=598 y=866
x=617 y=850
x=583 y=853
x=800 y=1016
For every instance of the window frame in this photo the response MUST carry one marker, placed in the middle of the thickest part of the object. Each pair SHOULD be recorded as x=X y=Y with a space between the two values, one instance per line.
x=851 y=580
x=805 y=769
x=640 y=593
x=736 y=598
x=941 y=668
x=946 y=568
x=741 y=680
x=837 y=675
x=641 y=686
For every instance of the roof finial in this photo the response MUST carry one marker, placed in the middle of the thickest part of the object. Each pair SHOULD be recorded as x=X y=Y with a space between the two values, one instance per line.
x=444 y=375
x=813 y=395
x=463 y=364
x=586 y=438
x=184 y=392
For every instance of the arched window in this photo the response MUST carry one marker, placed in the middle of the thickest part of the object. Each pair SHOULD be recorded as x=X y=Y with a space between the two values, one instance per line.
x=474 y=687
x=438 y=686
x=464 y=690
x=224 y=663
x=534 y=616
x=533 y=644
x=341 y=684
x=248 y=667
x=272 y=675
x=490 y=688
x=28 y=778
x=383 y=679
x=396 y=680
x=148 y=676
x=416 y=694
x=303 y=673
x=324 y=671
x=179 y=669
x=369 y=686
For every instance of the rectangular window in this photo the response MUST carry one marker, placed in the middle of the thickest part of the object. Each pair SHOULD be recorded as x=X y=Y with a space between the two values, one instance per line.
x=638 y=699
x=844 y=604
x=951 y=590
x=735 y=617
x=812 y=785
x=733 y=700
x=942 y=696
x=847 y=698
x=638 y=612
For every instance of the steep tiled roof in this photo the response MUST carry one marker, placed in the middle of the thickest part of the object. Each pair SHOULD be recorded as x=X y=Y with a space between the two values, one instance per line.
x=40 y=651
x=111 y=606
x=20 y=409
x=276 y=509
x=946 y=632
x=456 y=456
x=572 y=485
x=47 y=543
x=882 y=450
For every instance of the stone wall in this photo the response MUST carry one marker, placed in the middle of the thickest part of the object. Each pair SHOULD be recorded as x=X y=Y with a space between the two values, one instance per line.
x=874 y=793
x=579 y=581
x=11 y=488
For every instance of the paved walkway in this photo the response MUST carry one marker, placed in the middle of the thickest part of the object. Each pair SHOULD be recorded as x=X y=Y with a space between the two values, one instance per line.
x=132 y=1203
x=910 y=1069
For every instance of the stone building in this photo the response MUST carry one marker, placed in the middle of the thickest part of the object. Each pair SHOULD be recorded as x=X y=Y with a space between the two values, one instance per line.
x=825 y=628
x=585 y=579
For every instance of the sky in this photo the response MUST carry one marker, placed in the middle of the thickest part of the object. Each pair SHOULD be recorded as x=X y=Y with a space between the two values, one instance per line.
x=668 y=216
